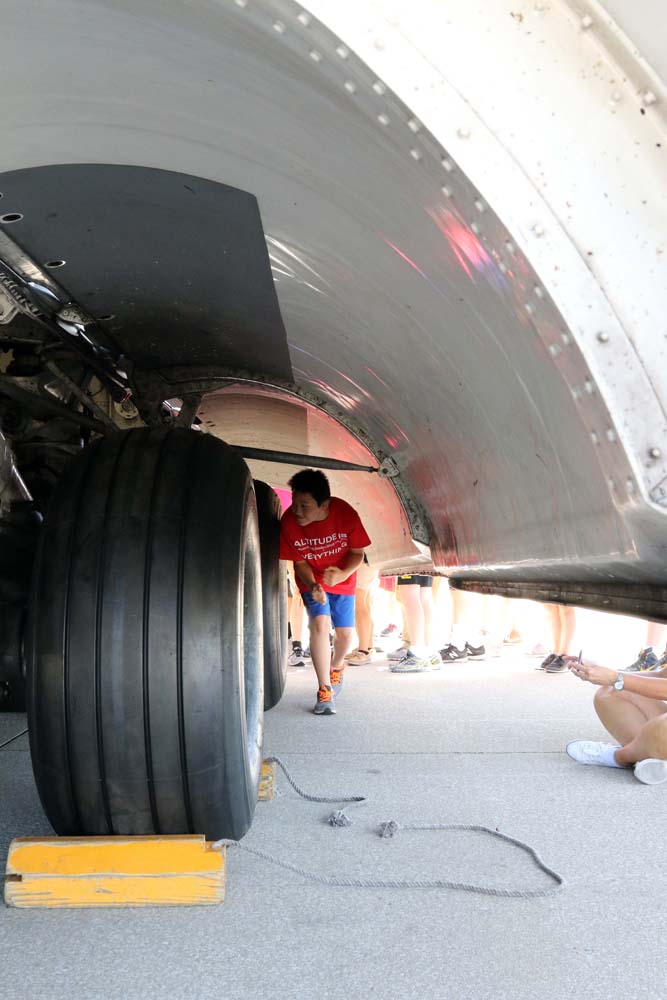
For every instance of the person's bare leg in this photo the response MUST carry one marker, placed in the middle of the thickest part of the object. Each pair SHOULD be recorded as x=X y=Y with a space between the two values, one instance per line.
x=624 y=714
x=467 y=612
x=568 y=624
x=296 y=619
x=414 y=614
x=426 y=601
x=342 y=642
x=650 y=741
x=554 y=623
x=320 y=651
x=655 y=634
x=363 y=618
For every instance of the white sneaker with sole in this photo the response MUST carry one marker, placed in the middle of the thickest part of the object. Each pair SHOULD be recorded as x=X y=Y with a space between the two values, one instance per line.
x=592 y=752
x=651 y=771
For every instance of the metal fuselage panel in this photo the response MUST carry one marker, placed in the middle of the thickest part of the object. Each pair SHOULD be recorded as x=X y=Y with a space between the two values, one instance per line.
x=409 y=308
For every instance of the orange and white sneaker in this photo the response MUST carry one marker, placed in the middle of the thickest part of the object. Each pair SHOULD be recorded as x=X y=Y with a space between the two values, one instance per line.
x=326 y=702
x=336 y=678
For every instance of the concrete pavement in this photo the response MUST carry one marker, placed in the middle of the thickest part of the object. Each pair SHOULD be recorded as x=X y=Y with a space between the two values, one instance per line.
x=474 y=743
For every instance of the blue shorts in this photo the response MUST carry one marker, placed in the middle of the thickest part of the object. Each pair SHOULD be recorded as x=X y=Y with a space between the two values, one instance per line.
x=339 y=607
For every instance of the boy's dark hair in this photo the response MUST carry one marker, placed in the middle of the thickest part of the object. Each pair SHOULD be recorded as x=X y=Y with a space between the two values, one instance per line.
x=311 y=481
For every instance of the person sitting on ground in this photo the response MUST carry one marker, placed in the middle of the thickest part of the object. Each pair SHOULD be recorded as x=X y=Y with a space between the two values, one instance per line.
x=324 y=537
x=633 y=708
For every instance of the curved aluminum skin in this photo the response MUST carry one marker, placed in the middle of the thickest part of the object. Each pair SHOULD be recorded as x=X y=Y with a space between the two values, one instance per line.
x=464 y=211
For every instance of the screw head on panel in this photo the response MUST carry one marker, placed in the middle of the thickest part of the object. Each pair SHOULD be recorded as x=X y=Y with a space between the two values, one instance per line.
x=603 y=337
x=655 y=453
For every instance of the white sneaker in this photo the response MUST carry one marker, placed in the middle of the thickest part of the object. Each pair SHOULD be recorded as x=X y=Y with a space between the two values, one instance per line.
x=651 y=771
x=592 y=752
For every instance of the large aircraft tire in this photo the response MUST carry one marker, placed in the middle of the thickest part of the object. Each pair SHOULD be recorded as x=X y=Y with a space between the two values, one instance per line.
x=274 y=595
x=145 y=660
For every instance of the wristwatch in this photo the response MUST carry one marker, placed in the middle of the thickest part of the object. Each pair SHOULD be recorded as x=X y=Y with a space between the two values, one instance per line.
x=619 y=683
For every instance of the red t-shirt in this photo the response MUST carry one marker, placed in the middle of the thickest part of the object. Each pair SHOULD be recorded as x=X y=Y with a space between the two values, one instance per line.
x=324 y=543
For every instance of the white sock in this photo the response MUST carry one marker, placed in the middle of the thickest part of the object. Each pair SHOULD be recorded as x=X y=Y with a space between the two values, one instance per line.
x=607 y=751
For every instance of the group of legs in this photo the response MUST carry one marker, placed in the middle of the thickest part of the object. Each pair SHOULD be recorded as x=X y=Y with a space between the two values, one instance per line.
x=637 y=723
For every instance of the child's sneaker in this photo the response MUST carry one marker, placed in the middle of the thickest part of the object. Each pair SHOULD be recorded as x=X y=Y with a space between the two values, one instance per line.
x=647 y=660
x=359 y=657
x=411 y=664
x=336 y=678
x=450 y=654
x=296 y=657
x=389 y=630
x=398 y=654
x=326 y=702
x=475 y=652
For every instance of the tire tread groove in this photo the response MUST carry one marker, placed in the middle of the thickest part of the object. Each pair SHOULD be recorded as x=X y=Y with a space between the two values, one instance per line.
x=182 y=541
x=99 y=609
x=66 y=642
x=145 y=655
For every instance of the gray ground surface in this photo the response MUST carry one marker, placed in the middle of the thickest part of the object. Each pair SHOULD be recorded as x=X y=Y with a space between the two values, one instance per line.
x=476 y=743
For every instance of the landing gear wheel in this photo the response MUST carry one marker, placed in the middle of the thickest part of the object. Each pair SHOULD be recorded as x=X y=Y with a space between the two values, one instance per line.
x=145 y=663
x=274 y=595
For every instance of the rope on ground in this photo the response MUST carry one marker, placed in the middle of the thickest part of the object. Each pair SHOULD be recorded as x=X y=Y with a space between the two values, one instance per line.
x=388 y=830
x=305 y=795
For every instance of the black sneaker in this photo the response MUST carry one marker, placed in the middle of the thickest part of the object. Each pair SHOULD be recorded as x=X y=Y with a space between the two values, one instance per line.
x=450 y=653
x=557 y=665
x=546 y=661
x=475 y=652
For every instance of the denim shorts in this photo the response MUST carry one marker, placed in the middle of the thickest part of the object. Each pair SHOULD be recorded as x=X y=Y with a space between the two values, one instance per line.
x=339 y=607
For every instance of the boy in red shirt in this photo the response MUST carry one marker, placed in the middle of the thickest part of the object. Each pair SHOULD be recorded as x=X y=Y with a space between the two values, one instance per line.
x=325 y=539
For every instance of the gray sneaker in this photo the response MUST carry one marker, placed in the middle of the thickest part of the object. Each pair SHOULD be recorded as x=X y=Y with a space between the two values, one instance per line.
x=398 y=654
x=547 y=660
x=296 y=658
x=326 y=702
x=557 y=665
x=411 y=664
